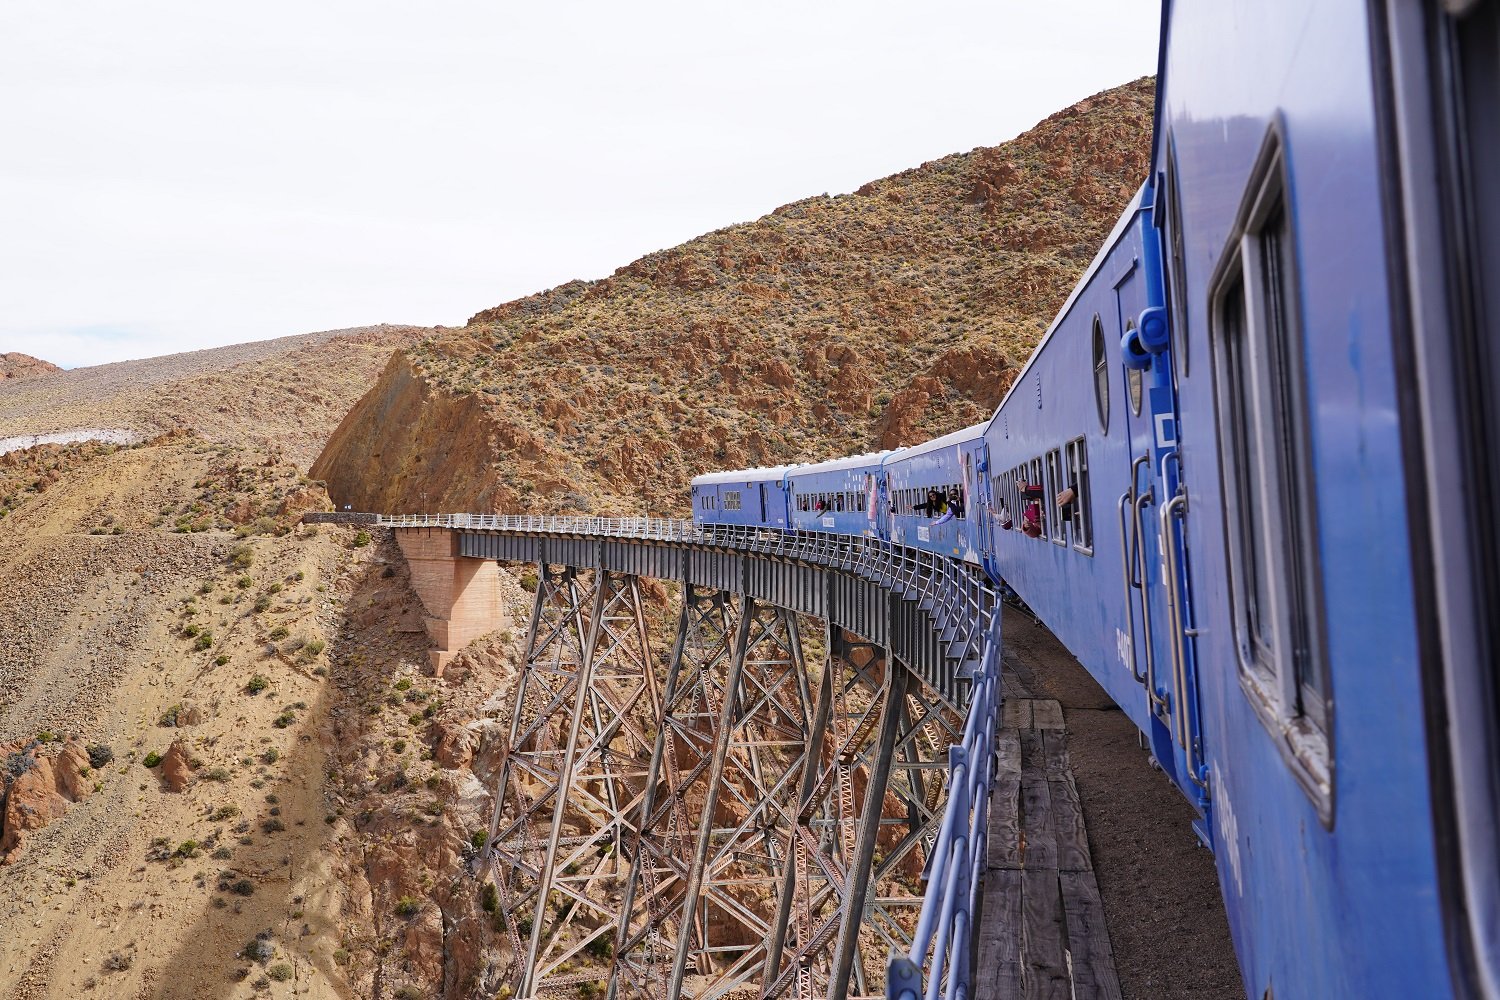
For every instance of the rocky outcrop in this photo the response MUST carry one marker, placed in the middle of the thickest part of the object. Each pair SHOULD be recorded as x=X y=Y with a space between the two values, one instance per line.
x=38 y=782
x=176 y=767
x=407 y=444
x=16 y=365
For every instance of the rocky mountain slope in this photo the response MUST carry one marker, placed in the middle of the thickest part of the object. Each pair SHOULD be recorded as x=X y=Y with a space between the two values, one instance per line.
x=16 y=365
x=288 y=392
x=831 y=325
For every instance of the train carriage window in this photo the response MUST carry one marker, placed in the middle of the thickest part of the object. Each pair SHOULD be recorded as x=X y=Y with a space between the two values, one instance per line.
x=1059 y=523
x=1078 y=482
x=731 y=499
x=1271 y=514
x=1101 y=376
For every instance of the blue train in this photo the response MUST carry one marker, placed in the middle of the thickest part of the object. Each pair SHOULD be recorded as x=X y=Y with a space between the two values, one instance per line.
x=1250 y=478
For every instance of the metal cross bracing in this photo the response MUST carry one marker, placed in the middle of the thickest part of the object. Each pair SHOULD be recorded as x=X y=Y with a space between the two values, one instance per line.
x=585 y=715
x=757 y=822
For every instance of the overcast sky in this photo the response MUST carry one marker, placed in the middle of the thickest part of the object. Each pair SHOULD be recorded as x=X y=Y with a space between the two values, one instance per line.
x=176 y=174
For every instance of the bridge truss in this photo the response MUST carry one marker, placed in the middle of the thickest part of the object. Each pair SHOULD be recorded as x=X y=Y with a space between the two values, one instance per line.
x=762 y=810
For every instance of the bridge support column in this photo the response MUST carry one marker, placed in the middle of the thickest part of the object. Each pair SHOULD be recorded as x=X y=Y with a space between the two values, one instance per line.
x=461 y=596
x=574 y=772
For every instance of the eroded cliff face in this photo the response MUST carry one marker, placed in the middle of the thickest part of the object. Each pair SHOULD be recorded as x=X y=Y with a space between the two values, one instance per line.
x=406 y=445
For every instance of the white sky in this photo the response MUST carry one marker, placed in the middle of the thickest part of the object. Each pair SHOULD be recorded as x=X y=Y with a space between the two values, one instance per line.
x=177 y=174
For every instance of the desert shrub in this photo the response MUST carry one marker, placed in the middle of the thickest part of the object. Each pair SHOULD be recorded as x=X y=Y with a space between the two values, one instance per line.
x=257 y=949
x=262 y=603
x=489 y=898
x=279 y=632
x=188 y=631
x=219 y=774
x=243 y=582
x=529 y=581
x=281 y=972
x=272 y=825
x=116 y=961
x=241 y=556
x=257 y=684
x=222 y=854
x=242 y=887
x=271 y=755
x=99 y=755
x=407 y=906
x=222 y=813
x=314 y=647
x=340 y=956
x=361 y=539
x=221 y=659
x=205 y=639
x=151 y=759
x=187 y=849
x=403 y=684
x=407 y=992
x=284 y=719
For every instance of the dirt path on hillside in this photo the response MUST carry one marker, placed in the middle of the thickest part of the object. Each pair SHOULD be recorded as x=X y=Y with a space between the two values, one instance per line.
x=1161 y=893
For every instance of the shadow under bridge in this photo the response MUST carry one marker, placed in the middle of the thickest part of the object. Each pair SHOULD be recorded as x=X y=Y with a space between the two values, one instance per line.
x=788 y=804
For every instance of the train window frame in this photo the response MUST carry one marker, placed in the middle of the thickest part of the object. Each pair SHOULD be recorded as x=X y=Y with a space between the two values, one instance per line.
x=1076 y=461
x=731 y=499
x=1101 y=374
x=1054 y=466
x=1271 y=524
x=1135 y=380
x=1174 y=258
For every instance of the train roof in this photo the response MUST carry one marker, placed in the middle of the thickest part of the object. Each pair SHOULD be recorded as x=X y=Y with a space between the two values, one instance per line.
x=1122 y=224
x=971 y=433
x=848 y=462
x=762 y=475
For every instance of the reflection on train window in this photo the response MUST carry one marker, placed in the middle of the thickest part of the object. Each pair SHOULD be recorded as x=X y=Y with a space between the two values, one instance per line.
x=1078 y=507
x=1176 y=269
x=1101 y=376
x=1268 y=489
x=1133 y=380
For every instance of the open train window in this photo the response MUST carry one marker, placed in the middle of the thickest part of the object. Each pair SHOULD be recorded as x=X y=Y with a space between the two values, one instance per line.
x=1078 y=481
x=1134 y=378
x=1271 y=511
x=1058 y=523
x=1101 y=376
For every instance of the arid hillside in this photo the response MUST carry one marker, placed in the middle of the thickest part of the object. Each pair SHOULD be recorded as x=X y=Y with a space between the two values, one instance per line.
x=16 y=365
x=287 y=393
x=833 y=324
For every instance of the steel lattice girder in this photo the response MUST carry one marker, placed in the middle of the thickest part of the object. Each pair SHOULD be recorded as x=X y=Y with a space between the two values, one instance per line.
x=586 y=707
x=781 y=815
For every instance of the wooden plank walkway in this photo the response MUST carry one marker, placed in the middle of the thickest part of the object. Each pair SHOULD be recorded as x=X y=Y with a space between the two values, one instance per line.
x=1041 y=922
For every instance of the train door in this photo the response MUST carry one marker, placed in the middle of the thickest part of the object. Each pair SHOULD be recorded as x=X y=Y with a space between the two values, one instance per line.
x=978 y=497
x=1152 y=506
x=763 y=518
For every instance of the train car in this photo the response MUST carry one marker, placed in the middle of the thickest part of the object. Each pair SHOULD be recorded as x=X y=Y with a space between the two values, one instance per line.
x=744 y=497
x=1248 y=478
x=950 y=466
x=1259 y=388
x=842 y=495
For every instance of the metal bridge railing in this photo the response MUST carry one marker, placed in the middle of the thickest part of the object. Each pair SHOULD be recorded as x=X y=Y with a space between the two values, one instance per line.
x=958 y=600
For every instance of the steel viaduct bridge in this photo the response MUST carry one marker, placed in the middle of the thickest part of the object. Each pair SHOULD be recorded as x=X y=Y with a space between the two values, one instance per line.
x=795 y=806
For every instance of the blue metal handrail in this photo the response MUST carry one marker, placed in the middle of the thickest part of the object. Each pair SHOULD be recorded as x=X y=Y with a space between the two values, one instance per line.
x=957 y=857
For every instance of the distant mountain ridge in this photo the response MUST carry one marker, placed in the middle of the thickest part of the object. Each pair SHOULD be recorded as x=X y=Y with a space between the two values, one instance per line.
x=16 y=365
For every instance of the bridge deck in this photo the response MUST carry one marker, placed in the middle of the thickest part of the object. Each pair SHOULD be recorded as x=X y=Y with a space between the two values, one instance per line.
x=1042 y=932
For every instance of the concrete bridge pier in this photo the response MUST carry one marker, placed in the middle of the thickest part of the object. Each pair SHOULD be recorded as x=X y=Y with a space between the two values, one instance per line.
x=461 y=595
